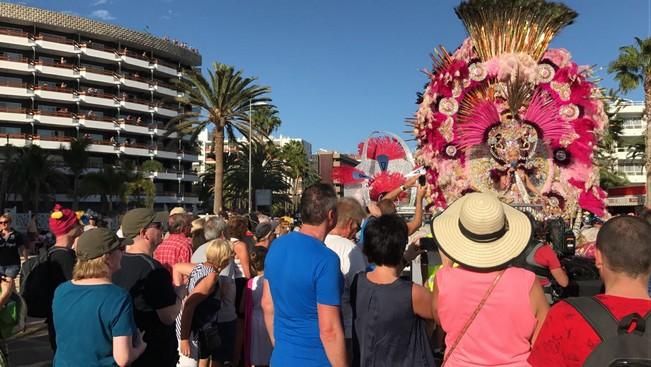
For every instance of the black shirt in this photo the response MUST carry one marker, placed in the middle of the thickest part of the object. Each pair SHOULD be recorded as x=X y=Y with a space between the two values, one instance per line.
x=150 y=286
x=61 y=263
x=9 y=248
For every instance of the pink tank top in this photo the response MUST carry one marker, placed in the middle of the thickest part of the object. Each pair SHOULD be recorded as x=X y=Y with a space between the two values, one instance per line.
x=501 y=333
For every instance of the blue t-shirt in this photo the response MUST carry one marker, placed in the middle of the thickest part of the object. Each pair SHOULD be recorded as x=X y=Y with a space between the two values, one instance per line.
x=301 y=272
x=86 y=318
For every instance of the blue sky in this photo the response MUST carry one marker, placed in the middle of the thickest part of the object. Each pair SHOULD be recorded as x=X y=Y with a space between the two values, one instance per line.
x=340 y=69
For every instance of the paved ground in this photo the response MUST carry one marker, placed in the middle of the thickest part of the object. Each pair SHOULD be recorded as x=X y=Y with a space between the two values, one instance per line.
x=31 y=348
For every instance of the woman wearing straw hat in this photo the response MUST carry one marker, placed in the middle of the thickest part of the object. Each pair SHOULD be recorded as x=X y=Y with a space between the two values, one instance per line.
x=93 y=318
x=491 y=312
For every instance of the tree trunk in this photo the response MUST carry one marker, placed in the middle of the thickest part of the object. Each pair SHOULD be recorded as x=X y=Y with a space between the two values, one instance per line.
x=218 y=189
x=75 y=193
x=37 y=194
x=647 y=148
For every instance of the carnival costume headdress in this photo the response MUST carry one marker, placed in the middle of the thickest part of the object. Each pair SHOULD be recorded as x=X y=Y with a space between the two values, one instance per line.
x=505 y=114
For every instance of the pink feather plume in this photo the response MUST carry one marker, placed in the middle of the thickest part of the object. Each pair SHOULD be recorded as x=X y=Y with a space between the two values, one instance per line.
x=383 y=145
x=474 y=121
x=543 y=112
x=385 y=182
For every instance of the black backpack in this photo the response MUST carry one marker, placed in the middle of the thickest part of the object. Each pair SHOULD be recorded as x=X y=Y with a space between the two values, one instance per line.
x=618 y=347
x=35 y=285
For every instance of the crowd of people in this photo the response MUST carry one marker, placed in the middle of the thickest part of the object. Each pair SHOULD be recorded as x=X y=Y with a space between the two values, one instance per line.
x=173 y=289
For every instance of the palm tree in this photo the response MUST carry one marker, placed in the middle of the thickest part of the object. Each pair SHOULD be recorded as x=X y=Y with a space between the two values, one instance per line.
x=76 y=158
x=606 y=154
x=37 y=174
x=109 y=183
x=224 y=100
x=632 y=68
x=301 y=173
x=8 y=167
x=268 y=172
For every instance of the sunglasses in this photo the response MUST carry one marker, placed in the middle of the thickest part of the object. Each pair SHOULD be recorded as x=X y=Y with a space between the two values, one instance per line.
x=3 y=222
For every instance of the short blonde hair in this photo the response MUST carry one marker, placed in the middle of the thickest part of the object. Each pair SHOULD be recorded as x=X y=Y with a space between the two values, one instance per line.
x=6 y=216
x=95 y=268
x=218 y=251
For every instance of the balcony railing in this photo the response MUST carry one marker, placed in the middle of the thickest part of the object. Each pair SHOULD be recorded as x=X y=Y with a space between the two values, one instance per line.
x=165 y=63
x=14 y=58
x=52 y=38
x=54 y=113
x=13 y=83
x=134 y=100
x=13 y=109
x=97 y=70
x=135 y=55
x=51 y=88
x=93 y=93
x=13 y=32
x=52 y=63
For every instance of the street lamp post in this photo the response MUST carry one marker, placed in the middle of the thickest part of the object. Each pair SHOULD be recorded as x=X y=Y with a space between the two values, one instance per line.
x=250 y=131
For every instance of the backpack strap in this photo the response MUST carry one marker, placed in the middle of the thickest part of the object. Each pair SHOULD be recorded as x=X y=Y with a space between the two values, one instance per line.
x=647 y=321
x=597 y=315
x=353 y=305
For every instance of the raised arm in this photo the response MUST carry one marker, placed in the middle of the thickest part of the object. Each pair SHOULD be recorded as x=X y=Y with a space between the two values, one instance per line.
x=417 y=220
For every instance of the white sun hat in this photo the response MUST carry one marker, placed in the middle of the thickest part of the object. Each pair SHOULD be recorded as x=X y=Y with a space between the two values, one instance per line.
x=481 y=232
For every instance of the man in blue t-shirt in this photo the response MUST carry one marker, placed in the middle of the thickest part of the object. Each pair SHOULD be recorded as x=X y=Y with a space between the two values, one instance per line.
x=302 y=289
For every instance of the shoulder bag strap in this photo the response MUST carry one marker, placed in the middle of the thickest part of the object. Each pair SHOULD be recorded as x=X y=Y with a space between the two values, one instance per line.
x=472 y=317
x=596 y=314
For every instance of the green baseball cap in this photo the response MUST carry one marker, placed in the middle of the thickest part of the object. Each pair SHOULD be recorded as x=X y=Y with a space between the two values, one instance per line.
x=137 y=219
x=97 y=242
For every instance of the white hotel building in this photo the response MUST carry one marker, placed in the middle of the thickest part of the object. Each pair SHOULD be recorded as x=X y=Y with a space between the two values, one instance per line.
x=64 y=77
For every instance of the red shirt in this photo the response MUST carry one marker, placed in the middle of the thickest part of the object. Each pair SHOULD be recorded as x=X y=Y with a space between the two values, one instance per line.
x=176 y=248
x=546 y=257
x=566 y=339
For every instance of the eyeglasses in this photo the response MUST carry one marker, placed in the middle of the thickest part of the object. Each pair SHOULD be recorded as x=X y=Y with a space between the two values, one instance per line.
x=3 y=222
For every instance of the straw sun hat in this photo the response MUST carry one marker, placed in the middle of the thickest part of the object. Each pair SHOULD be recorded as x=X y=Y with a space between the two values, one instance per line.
x=481 y=232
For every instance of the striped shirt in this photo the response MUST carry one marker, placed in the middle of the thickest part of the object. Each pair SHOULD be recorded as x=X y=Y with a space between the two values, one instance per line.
x=199 y=272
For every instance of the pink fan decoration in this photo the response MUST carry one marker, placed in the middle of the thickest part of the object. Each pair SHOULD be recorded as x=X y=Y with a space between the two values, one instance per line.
x=474 y=122
x=383 y=145
x=544 y=113
x=385 y=182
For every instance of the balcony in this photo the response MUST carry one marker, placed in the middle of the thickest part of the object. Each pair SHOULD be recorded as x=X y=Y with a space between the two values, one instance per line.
x=133 y=126
x=61 y=118
x=166 y=68
x=57 y=94
x=56 y=69
x=98 y=99
x=135 y=81
x=99 y=76
x=136 y=104
x=15 y=39
x=18 y=89
x=20 y=65
x=99 y=53
x=53 y=142
x=135 y=59
x=166 y=110
x=96 y=122
x=57 y=45
x=165 y=89
x=19 y=115
x=173 y=197
x=176 y=175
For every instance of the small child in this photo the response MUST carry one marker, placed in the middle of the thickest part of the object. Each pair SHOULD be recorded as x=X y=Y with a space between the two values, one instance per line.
x=257 y=344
